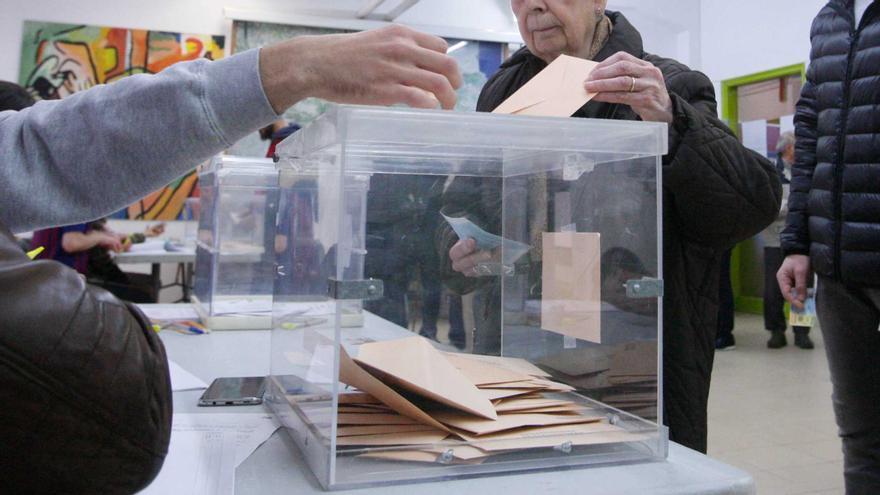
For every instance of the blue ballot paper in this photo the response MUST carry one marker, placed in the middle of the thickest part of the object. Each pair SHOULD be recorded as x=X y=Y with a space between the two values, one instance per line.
x=804 y=317
x=511 y=251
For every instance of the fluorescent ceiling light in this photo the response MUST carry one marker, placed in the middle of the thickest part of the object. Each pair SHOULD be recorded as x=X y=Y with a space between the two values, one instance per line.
x=460 y=44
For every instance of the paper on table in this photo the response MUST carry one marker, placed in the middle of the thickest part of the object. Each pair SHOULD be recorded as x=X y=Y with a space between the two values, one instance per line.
x=571 y=280
x=198 y=463
x=321 y=365
x=557 y=91
x=148 y=246
x=510 y=250
x=250 y=429
x=351 y=373
x=182 y=379
x=415 y=365
x=169 y=312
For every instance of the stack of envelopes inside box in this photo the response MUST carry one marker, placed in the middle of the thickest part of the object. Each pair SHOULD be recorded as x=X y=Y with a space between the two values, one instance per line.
x=623 y=376
x=415 y=403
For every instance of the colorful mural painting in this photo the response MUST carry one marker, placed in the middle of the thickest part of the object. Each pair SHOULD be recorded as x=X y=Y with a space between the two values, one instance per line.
x=60 y=59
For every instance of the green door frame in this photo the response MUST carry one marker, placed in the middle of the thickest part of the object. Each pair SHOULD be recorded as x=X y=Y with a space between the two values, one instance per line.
x=730 y=113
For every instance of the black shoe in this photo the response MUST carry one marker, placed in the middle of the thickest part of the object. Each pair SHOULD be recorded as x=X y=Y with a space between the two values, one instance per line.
x=777 y=340
x=802 y=339
x=725 y=342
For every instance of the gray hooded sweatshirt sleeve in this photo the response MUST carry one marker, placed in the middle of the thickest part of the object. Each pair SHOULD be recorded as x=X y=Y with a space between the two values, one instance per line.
x=83 y=157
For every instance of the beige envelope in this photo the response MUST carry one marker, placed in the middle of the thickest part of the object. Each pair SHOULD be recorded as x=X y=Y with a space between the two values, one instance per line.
x=518 y=365
x=580 y=434
x=571 y=278
x=511 y=405
x=373 y=419
x=482 y=372
x=354 y=375
x=350 y=431
x=402 y=438
x=635 y=359
x=501 y=393
x=428 y=456
x=557 y=91
x=357 y=398
x=480 y=426
x=415 y=365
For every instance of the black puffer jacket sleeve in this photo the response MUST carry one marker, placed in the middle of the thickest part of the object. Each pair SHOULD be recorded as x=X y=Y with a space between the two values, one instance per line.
x=795 y=238
x=86 y=392
x=721 y=191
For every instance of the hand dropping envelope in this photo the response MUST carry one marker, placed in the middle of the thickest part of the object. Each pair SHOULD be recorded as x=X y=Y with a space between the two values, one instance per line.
x=511 y=251
x=557 y=91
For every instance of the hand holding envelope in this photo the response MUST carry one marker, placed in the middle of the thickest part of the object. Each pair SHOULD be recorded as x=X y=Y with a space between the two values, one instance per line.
x=557 y=91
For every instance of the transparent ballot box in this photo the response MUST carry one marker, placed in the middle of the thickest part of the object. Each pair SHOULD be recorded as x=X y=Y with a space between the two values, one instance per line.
x=235 y=243
x=467 y=294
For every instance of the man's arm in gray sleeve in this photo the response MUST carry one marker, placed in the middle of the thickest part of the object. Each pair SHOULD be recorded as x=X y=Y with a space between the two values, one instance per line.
x=77 y=159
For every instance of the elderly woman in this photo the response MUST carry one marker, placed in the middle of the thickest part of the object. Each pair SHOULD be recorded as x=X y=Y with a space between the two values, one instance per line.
x=715 y=192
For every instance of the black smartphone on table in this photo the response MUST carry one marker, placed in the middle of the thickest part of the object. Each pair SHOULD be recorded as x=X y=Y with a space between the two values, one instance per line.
x=234 y=391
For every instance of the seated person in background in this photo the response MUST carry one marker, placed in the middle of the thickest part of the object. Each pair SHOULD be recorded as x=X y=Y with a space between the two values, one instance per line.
x=86 y=248
x=275 y=133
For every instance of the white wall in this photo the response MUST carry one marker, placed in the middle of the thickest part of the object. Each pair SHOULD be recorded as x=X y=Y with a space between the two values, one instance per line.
x=670 y=27
x=749 y=36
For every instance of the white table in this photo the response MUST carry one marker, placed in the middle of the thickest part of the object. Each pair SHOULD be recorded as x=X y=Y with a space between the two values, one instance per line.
x=155 y=256
x=276 y=467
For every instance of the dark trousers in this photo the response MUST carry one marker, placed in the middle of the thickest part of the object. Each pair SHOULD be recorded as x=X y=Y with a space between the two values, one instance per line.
x=774 y=303
x=849 y=317
x=725 y=298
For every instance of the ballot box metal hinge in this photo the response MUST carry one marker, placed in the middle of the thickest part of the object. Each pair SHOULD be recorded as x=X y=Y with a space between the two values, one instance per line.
x=644 y=288
x=366 y=290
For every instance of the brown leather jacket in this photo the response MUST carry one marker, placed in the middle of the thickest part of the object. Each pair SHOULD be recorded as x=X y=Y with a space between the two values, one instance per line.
x=85 y=393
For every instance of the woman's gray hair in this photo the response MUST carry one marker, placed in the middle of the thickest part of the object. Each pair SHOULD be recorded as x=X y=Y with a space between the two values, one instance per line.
x=786 y=139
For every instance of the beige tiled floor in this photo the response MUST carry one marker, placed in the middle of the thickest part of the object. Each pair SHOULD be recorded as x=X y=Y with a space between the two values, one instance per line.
x=770 y=414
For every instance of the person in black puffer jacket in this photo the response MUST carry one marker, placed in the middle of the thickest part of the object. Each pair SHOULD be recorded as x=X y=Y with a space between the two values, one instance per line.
x=715 y=191
x=833 y=224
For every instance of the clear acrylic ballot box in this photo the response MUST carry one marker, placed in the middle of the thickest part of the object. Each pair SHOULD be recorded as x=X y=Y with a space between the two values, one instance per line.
x=467 y=294
x=235 y=243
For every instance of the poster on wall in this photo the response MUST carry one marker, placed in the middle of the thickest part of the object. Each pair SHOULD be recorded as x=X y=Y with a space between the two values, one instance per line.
x=478 y=61
x=60 y=59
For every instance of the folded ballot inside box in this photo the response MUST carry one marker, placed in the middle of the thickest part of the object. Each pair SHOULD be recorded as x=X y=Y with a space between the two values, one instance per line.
x=465 y=407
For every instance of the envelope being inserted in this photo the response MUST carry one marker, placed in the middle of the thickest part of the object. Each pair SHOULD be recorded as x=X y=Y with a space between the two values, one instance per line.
x=557 y=91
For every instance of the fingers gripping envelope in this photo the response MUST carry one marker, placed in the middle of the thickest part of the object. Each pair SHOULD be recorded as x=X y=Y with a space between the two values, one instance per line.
x=557 y=91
